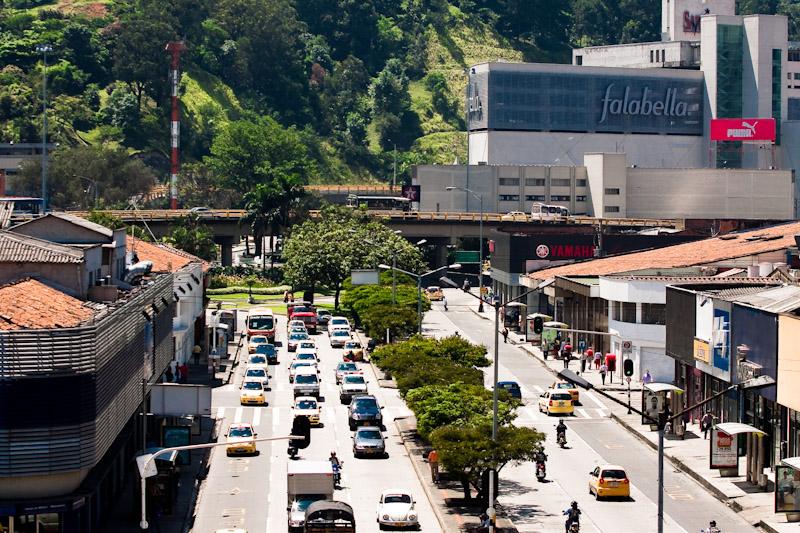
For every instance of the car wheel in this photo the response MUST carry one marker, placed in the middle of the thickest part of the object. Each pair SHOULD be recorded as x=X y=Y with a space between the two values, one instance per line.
x=381 y=526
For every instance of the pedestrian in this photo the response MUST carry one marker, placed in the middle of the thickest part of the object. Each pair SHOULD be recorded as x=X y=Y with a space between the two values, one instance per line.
x=173 y=370
x=581 y=346
x=444 y=302
x=597 y=356
x=583 y=361
x=706 y=423
x=589 y=358
x=168 y=376
x=286 y=296
x=647 y=378
x=485 y=521
x=603 y=371
x=196 y=354
x=183 y=370
x=505 y=335
x=433 y=462
x=291 y=297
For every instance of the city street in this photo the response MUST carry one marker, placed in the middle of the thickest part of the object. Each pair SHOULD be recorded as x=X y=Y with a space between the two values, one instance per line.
x=250 y=492
x=593 y=439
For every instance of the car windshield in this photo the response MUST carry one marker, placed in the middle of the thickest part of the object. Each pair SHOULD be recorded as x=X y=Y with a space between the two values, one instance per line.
x=305 y=378
x=563 y=386
x=309 y=345
x=561 y=396
x=433 y=289
x=300 y=309
x=341 y=333
x=306 y=356
x=240 y=432
x=306 y=404
x=397 y=498
x=298 y=336
x=256 y=373
x=299 y=364
x=613 y=474
x=261 y=322
x=252 y=385
x=354 y=380
x=509 y=386
x=339 y=321
x=372 y=434
x=258 y=339
x=365 y=404
x=257 y=360
x=344 y=367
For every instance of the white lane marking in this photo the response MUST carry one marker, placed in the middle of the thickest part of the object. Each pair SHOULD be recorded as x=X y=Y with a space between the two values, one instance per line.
x=256 y=416
x=537 y=388
x=603 y=413
x=276 y=417
x=593 y=397
x=238 y=416
x=583 y=413
x=220 y=412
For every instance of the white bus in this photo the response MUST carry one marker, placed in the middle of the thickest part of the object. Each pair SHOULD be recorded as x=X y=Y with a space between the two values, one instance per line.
x=549 y=212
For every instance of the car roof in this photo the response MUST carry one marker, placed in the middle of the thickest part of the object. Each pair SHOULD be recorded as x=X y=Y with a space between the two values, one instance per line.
x=345 y=364
x=556 y=391
x=305 y=398
x=253 y=367
x=612 y=467
x=397 y=491
x=311 y=369
x=339 y=316
x=501 y=383
x=368 y=427
x=241 y=425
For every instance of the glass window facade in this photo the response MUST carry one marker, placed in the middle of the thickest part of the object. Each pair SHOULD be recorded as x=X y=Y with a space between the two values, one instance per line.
x=508 y=197
x=534 y=197
x=534 y=182
x=580 y=183
x=729 y=89
x=654 y=314
x=580 y=198
x=560 y=198
x=794 y=109
x=512 y=182
x=560 y=182
x=777 y=76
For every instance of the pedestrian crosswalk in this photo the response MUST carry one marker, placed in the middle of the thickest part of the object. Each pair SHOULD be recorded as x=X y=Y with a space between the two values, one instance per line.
x=275 y=416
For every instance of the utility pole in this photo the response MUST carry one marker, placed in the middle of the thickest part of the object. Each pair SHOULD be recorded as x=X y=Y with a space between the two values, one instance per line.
x=394 y=167
x=466 y=123
x=175 y=48
x=44 y=49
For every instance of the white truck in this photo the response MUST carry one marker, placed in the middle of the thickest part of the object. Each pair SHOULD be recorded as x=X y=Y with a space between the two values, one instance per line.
x=307 y=482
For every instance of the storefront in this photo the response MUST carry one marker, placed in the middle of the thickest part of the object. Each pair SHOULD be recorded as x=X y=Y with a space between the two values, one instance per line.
x=788 y=393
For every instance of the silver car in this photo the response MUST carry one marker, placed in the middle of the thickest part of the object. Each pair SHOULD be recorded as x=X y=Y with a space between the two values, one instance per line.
x=368 y=440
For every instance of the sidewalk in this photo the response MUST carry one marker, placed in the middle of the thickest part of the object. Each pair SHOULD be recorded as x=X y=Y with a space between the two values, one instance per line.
x=689 y=455
x=125 y=518
x=446 y=497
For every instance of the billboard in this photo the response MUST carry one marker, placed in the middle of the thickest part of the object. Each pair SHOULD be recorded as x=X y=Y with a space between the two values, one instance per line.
x=724 y=452
x=743 y=129
x=587 y=99
x=172 y=399
x=365 y=277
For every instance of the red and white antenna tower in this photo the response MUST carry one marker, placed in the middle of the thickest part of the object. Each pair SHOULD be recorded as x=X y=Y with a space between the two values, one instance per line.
x=174 y=48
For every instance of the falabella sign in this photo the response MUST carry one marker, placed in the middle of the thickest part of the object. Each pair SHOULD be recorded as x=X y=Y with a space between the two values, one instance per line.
x=743 y=129
x=648 y=104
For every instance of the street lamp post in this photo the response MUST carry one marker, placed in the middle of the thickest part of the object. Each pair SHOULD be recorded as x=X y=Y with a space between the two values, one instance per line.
x=44 y=49
x=514 y=302
x=480 y=241
x=418 y=277
x=93 y=183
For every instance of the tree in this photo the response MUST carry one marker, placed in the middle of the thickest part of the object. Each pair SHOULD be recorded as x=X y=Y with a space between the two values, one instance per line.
x=191 y=236
x=325 y=250
x=400 y=321
x=360 y=299
x=246 y=153
x=455 y=349
x=468 y=451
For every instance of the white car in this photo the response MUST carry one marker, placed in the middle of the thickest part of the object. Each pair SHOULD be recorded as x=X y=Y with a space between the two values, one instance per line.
x=298 y=366
x=307 y=346
x=306 y=356
x=352 y=385
x=396 y=508
x=257 y=373
x=306 y=382
x=295 y=323
x=339 y=337
x=307 y=406
x=338 y=322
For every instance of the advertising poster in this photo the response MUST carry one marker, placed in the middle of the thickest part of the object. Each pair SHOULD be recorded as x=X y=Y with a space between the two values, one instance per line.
x=178 y=436
x=787 y=489
x=652 y=404
x=720 y=339
x=724 y=453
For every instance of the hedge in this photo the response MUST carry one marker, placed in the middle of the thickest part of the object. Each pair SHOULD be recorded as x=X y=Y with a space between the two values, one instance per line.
x=280 y=289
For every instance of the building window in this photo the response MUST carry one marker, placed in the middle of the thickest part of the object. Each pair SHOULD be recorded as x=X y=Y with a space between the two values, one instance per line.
x=559 y=198
x=534 y=197
x=510 y=182
x=612 y=192
x=580 y=198
x=657 y=57
x=794 y=55
x=654 y=314
x=560 y=182
x=663 y=55
x=580 y=183
x=91 y=279
x=651 y=56
x=611 y=209
x=623 y=312
x=509 y=198
x=534 y=182
x=579 y=60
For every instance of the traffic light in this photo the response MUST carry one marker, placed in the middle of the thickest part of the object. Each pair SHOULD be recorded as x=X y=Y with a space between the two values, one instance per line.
x=301 y=427
x=538 y=325
x=627 y=367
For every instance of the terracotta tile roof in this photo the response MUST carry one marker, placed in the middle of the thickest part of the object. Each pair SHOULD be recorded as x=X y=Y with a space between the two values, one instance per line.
x=45 y=307
x=728 y=246
x=17 y=248
x=165 y=258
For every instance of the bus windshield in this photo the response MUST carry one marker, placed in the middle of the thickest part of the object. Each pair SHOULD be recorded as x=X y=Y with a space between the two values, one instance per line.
x=261 y=322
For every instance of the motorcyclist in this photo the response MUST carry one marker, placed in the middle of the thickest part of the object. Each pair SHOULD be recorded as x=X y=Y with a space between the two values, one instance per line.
x=573 y=515
x=336 y=466
x=561 y=429
x=712 y=528
x=540 y=457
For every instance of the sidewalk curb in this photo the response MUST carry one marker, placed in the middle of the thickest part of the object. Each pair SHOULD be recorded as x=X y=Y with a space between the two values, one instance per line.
x=420 y=475
x=677 y=463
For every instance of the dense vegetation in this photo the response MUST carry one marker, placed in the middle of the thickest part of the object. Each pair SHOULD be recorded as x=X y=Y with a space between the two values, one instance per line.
x=304 y=91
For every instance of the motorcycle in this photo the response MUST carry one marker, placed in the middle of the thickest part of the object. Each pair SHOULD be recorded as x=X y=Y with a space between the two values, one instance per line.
x=574 y=527
x=540 y=471
x=337 y=475
x=561 y=439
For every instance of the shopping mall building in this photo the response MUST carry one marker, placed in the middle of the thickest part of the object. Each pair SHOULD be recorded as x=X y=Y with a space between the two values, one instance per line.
x=652 y=101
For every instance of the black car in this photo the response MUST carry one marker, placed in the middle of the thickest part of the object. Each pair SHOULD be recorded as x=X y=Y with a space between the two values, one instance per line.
x=268 y=351
x=512 y=387
x=364 y=410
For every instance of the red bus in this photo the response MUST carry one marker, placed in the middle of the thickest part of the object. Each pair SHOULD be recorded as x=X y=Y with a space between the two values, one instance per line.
x=261 y=321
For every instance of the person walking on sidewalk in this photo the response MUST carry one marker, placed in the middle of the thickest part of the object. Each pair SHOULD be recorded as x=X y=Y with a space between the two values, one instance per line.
x=705 y=424
x=597 y=356
x=647 y=379
x=505 y=335
x=173 y=370
x=433 y=461
x=603 y=372
x=196 y=354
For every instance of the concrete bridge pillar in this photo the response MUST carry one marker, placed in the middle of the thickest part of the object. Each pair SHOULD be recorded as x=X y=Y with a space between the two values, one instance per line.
x=226 y=245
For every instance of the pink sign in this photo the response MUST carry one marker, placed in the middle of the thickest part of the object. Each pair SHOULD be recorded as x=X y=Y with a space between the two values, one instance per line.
x=743 y=129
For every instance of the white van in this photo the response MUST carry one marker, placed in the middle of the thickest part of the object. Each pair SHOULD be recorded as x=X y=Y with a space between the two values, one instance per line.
x=306 y=381
x=549 y=212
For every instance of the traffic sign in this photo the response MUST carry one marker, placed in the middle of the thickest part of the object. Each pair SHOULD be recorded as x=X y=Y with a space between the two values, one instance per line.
x=626 y=345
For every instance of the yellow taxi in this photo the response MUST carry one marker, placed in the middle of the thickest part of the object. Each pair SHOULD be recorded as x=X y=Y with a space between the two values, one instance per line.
x=254 y=341
x=556 y=402
x=434 y=293
x=241 y=439
x=568 y=387
x=252 y=393
x=607 y=481
x=309 y=407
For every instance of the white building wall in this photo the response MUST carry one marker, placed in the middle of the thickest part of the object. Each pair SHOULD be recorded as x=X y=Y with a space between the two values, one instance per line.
x=190 y=307
x=639 y=55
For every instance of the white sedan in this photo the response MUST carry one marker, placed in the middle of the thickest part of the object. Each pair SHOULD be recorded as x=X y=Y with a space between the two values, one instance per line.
x=396 y=508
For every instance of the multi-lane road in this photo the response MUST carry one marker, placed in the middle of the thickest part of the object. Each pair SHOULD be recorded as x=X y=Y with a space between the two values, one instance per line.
x=250 y=492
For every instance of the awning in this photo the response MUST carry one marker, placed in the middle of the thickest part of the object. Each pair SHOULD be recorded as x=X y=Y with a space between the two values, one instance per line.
x=734 y=428
x=661 y=387
x=545 y=318
x=546 y=283
x=794 y=462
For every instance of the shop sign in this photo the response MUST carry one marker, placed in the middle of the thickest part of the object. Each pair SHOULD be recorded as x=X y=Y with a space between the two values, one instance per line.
x=691 y=23
x=564 y=251
x=787 y=489
x=701 y=351
x=646 y=105
x=412 y=192
x=743 y=129
x=724 y=453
